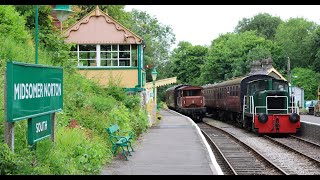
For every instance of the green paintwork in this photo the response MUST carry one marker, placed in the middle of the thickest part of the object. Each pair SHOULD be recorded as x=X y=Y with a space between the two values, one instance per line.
x=136 y=89
x=44 y=97
x=39 y=128
x=65 y=8
x=36 y=33
x=259 y=96
x=121 y=139
x=140 y=56
x=143 y=78
x=106 y=68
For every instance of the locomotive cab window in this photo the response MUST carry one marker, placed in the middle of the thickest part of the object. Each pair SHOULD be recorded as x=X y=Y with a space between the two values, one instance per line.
x=279 y=85
x=259 y=85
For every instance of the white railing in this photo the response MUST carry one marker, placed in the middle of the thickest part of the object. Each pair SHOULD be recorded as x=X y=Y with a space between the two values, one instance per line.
x=253 y=109
x=244 y=107
x=292 y=109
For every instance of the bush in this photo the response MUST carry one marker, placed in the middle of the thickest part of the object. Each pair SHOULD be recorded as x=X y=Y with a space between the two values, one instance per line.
x=12 y=24
x=77 y=151
x=8 y=161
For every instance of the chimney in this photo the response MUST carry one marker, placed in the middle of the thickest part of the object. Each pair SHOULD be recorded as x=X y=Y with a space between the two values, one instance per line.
x=266 y=63
x=255 y=67
x=55 y=21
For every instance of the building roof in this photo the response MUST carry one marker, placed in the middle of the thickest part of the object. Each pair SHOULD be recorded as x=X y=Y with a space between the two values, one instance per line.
x=98 y=27
x=161 y=82
x=268 y=71
x=265 y=67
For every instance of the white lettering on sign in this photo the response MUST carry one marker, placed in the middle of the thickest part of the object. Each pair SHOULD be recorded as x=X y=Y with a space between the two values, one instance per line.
x=36 y=90
x=41 y=126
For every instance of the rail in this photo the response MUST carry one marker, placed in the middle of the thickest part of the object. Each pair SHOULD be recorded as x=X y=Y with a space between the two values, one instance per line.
x=234 y=158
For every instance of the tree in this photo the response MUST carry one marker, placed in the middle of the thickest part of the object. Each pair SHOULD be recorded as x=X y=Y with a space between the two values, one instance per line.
x=230 y=55
x=308 y=80
x=117 y=12
x=44 y=16
x=312 y=47
x=187 y=60
x=293 y=36
x=12 y=24
x=157 y=37
x=258 y=53
x=264 y=24
x=50 y=40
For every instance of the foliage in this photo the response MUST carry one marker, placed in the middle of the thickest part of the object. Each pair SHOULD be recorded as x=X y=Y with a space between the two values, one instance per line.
x=264 y=24
x=313 y=48
x=8 y=161
x=293 y=36
x=187 y=61
x=157 y=37
x=228 y=55
x=13 y=25
x=77 y=151
x=139 y=121
x=129 y=119
x=258 y=53
x=49 y=39
x=115 y=11
x=28 y=13
x=308 y=80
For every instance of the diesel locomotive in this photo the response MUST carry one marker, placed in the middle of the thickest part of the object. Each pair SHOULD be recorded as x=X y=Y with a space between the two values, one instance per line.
x=260 y=103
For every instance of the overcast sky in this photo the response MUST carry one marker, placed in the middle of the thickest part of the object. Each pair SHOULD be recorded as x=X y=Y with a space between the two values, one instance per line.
x=218 y=19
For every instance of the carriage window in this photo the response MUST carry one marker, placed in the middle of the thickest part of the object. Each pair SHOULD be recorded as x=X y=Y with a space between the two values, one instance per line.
x=237 y=91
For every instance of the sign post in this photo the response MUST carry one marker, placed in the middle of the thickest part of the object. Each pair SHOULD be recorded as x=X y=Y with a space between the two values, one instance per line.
x=33 y=92
x=8 y=126
x=53 y=127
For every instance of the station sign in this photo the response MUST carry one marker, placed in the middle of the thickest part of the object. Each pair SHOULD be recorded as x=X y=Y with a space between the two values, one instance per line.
x=33 y=90
x=39 y=128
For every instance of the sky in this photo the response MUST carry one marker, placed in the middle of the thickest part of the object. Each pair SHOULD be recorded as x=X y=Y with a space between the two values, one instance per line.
x=213 y=20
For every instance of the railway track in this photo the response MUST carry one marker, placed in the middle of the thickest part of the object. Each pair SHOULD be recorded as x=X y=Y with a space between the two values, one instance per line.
x=300 y=146
x=289 y=161
x=234 y=156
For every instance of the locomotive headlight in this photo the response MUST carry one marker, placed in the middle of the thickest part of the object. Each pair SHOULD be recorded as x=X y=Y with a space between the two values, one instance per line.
x=294 y=117
x=263 y=118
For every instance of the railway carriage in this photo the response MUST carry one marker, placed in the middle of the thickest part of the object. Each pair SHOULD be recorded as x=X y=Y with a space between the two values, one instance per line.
x=186 y=99
x=257 y=102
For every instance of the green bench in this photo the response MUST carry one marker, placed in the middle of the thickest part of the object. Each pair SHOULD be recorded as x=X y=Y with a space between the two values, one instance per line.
x=120 y=139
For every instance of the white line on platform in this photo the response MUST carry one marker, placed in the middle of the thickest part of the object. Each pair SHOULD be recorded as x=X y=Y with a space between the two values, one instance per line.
x=311 y=123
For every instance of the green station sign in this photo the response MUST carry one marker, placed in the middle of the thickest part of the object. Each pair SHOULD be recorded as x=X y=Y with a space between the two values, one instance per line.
x=33 y=90
x=39 y=128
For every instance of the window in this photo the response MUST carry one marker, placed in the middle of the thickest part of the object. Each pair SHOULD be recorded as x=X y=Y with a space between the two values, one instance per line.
x=109 y=55
x=87 y=55
x=118 y=55
x=278 y=85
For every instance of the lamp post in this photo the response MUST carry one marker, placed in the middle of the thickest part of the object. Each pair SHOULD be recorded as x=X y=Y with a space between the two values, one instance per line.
x=154 y=77
x=62 y=12
x=36 y=35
